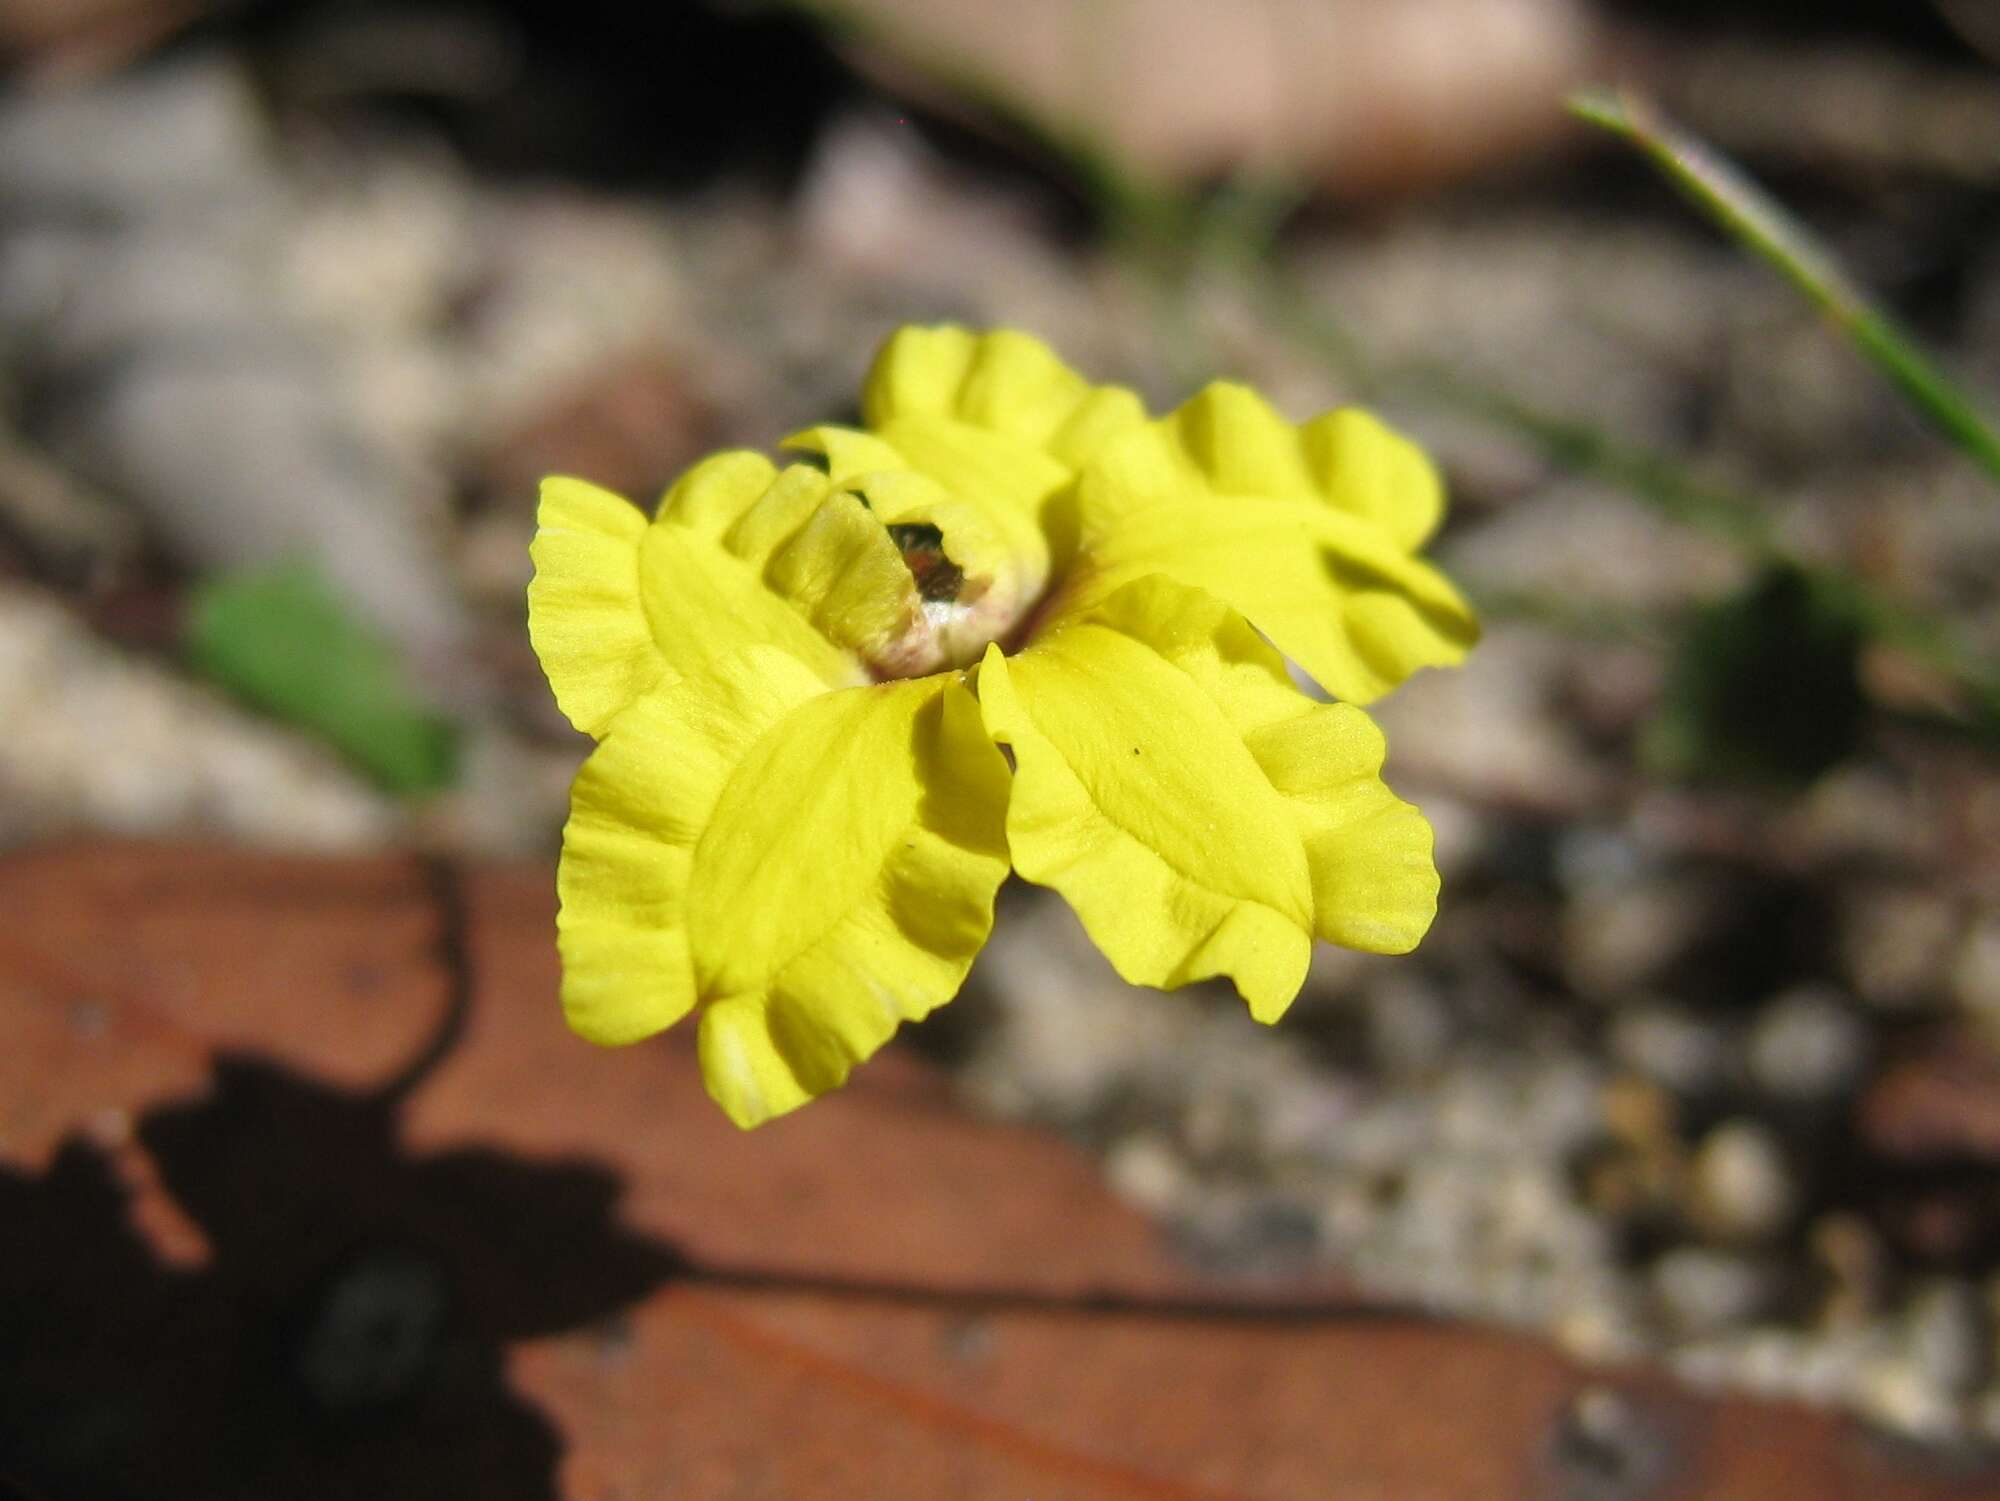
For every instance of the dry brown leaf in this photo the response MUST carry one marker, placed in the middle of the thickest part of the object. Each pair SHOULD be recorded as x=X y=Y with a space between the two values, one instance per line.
x=1356 y=95
x=878 y=1297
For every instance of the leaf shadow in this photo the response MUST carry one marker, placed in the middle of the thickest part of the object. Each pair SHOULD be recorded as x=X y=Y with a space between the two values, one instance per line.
x=346 y=1333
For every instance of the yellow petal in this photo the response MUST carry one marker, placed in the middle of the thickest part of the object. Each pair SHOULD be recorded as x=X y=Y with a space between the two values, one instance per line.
x=818 y=549
x=704 y=605
x=1200 y=813
x=745 y=1073
x=1368 y=469
x=848 y=451
x=821 y=542
x=1334 y=592
x=998 y=470
x=810 y=868
x=637 y=810
x=981 y=537
x=773 y=517
x=618 y=606
x=1003 y=382
x=841 y=571
x=1136 y=798
x=713 y=495
x=1104 y=413
x=584 y=613
x=1239 y=442
x=846 y=881
x=1000 y=551
x=1374 y=884
x=1347 y=459
x=918 y=372
x=993 y=417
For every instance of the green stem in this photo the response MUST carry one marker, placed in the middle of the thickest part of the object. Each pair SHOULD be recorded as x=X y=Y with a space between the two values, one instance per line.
x=1759 y=222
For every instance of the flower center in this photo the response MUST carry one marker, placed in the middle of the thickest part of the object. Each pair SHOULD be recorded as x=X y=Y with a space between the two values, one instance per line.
x=958 y=612
x=939 y=580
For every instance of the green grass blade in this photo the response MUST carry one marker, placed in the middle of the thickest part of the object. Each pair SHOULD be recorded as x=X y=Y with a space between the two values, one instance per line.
x=1756 y=220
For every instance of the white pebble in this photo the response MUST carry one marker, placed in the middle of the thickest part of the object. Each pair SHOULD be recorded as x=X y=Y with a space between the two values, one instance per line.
x=1742 y=1187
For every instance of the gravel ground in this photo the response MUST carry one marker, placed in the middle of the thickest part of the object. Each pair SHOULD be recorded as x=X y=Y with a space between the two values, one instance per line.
x=1699 y=1075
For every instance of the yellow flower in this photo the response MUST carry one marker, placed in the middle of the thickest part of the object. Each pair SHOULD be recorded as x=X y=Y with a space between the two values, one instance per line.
x=802 y=682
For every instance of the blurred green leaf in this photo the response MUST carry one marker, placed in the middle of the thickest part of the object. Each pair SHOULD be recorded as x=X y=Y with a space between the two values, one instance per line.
x=282 y=640
x=1765 y=685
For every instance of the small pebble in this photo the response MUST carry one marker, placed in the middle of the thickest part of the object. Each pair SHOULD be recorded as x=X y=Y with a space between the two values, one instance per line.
x=1705 y=1367
x=1808 y=1046
x=1986 y=1419
x=1771 y=1362
x=1827 y=1368
x=1590 y=857
x=1948 y=1335
x=1242 y=1233
x=1562 y=1106
x=1441 y=1206
x=1530 y=1205
x=1894 y=943
x=1600 y=1329
x=1605 y=1448
x=1619 y=1184
x=1475 y=1108
x=1740 y=1186
x=1855 y=1264
x=1409 y=1027
x=1348 y=1214
x=1975 y=974
x=1143 y=1170
x=1785 y=1365
x=1508 y=1293
x=1891 y=1390
x=1639 y=1114
x=1672 y=1047
x=1861 y=811
x=1619 y=939
x=1220 y=1123
x=1382 y=1138
x=1700 y=1291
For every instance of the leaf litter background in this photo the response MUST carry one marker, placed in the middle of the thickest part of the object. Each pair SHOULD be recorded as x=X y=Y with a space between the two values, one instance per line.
x=1690 y=1102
